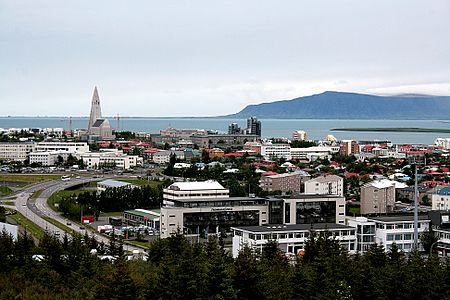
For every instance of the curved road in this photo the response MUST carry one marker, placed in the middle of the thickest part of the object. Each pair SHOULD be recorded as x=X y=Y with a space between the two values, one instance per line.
x=35 y=210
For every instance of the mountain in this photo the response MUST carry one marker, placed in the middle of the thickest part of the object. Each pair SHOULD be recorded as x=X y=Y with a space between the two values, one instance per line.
x=341 y=105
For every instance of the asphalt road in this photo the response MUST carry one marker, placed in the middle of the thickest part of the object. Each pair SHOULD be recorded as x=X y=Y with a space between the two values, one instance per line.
x=35 y=210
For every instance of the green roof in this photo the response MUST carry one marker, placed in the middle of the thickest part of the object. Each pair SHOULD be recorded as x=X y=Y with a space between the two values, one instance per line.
x=142 y=213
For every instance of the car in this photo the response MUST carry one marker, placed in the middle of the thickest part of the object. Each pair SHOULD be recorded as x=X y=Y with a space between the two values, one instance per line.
x=68 y=223
x=78 y=177
x=82 y=228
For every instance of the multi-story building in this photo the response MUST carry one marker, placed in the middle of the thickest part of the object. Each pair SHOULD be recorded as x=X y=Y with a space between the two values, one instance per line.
x=234 y=128
x=349 y=147
x=307 y=209
x=206 y=207
x=271 y=151
x=254 y=126
x=48 y=158
x=440 y=199
x=150 y=218
x=299 y=135
x=325 y=185
x=71 y=147
x=291 y=239
x=220 y=140
x=16 y=151
x=111 y=158
x=252 y=147
x=292 y=182
x=442 y=142
x=378 y=197
x=313 y=153
x=388 y=230
x=163 y=156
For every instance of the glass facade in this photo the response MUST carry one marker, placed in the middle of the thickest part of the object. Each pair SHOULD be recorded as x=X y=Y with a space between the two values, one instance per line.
x=315 y=212
x=276 y=212
x=211 y=222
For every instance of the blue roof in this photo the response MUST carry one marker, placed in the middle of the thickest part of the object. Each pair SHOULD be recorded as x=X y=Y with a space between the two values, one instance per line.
x=445 y=191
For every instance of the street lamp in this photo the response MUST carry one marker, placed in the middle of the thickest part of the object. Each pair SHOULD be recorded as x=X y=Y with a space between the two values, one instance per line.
x=431 y=248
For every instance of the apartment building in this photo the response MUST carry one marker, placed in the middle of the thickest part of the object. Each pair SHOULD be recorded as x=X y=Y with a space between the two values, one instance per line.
x=440 y=199
x=325 y=185
x=348 y=147
x=71 y=147
x=292 y=182
x=378 y=197
x=313 y=153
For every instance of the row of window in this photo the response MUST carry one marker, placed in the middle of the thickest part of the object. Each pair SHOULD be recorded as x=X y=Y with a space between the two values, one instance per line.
x=397 y=226
x=297 y=235
x=399 y=237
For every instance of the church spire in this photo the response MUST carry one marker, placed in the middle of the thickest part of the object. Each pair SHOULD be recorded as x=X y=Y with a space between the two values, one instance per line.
x=96 y=112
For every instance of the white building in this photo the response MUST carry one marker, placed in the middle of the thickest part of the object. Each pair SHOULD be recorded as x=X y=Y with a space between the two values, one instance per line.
x=269 y=151
x=299 y=135
x=163 y=156
x=313 y=153
x=16 y=151
x=291 y=239
x=440 y=199
x=109 y=183
x=111 y=158
x=71 y=147
x=48 y=158
x=388 y=230
x=205 y=207
x=442 y=142
x=378 y=197
x=325 y=185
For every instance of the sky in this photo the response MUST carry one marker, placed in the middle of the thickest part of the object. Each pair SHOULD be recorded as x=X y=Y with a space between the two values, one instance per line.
x=208 y=58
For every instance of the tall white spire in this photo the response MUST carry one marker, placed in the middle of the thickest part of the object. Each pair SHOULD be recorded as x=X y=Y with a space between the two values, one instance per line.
x=96 y=111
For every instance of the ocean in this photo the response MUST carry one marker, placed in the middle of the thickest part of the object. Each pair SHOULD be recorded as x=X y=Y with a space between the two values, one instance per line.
x=316 y=129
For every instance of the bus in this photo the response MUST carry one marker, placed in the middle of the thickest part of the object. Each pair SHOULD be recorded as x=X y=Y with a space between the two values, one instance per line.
x=65 y=178
x=115 y=221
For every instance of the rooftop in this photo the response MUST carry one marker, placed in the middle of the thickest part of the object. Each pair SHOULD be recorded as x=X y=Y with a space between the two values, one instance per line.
x=325 y=178
x=196 y=186
x=294 y=227
x=113 y=183
x=398 y=218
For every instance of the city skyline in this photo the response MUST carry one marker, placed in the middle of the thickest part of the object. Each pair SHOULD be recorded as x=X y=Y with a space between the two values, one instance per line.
x=160 y=60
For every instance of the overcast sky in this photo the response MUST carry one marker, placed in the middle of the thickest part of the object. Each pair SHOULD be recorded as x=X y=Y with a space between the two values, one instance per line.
x=200 y=58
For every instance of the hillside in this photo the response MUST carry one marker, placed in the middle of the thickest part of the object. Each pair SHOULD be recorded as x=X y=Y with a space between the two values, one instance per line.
x=340 y=105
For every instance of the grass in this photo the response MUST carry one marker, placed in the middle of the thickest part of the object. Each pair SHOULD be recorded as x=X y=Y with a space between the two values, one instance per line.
x=8 y=203
x=59 y=225
x=354 y=211
x=28 y=178
x=56 y=197
x=140 y=182
x=32 y=228
x=5 y=191
x=36 y=194
x=144 y=245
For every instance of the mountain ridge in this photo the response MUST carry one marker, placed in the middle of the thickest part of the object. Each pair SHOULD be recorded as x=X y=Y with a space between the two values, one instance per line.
x=348 y=105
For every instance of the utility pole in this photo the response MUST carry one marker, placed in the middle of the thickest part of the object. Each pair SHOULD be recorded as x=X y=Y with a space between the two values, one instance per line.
x=416 y=211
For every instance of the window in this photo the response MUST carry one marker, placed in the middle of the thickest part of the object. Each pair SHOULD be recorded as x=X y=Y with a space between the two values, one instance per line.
x=390 y=237
x=398 y=237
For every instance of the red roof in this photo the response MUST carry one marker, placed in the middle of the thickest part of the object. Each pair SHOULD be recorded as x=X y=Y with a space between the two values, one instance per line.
x=126 y=148
x=444 y=169
x=351 y=174
x=269 y=173
x=151 y=150
x=233 y=154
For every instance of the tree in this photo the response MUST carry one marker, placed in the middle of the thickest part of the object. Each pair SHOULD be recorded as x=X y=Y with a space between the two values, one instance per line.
x=428 y=238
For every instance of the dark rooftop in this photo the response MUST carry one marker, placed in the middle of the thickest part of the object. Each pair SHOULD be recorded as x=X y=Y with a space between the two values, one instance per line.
x=294 y=227
x=398 y=218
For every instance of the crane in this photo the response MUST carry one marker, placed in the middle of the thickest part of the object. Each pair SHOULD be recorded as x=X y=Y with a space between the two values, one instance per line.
x=118 y=117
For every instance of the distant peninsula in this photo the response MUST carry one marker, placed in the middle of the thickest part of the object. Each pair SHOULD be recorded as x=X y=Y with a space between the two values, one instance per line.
x=395 y=129
x=342 y=105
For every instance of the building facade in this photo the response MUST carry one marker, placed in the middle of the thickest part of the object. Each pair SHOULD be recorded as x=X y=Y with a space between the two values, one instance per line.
x=325 y=185
x=292 y=182
x=272 y=151
x=378 y=197
x=16 y=151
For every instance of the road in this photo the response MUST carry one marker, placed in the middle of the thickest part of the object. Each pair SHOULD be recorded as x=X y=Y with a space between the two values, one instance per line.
x=35 y=210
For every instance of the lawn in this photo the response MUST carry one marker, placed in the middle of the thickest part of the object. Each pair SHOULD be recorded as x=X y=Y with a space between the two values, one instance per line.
x=56 y=197
x=36 y=194
x=144 y=245
x=29 y=178
x=354 y=211
x=32 y=228
x=5 y=191
x=140 y=182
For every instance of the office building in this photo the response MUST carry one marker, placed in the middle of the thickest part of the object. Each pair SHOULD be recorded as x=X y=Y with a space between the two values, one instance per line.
x=234 y=128
x=200 y=208
x=299 y=135
x=16 y=151
x=291 y=239
x=273 y=151
x=110 y=158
